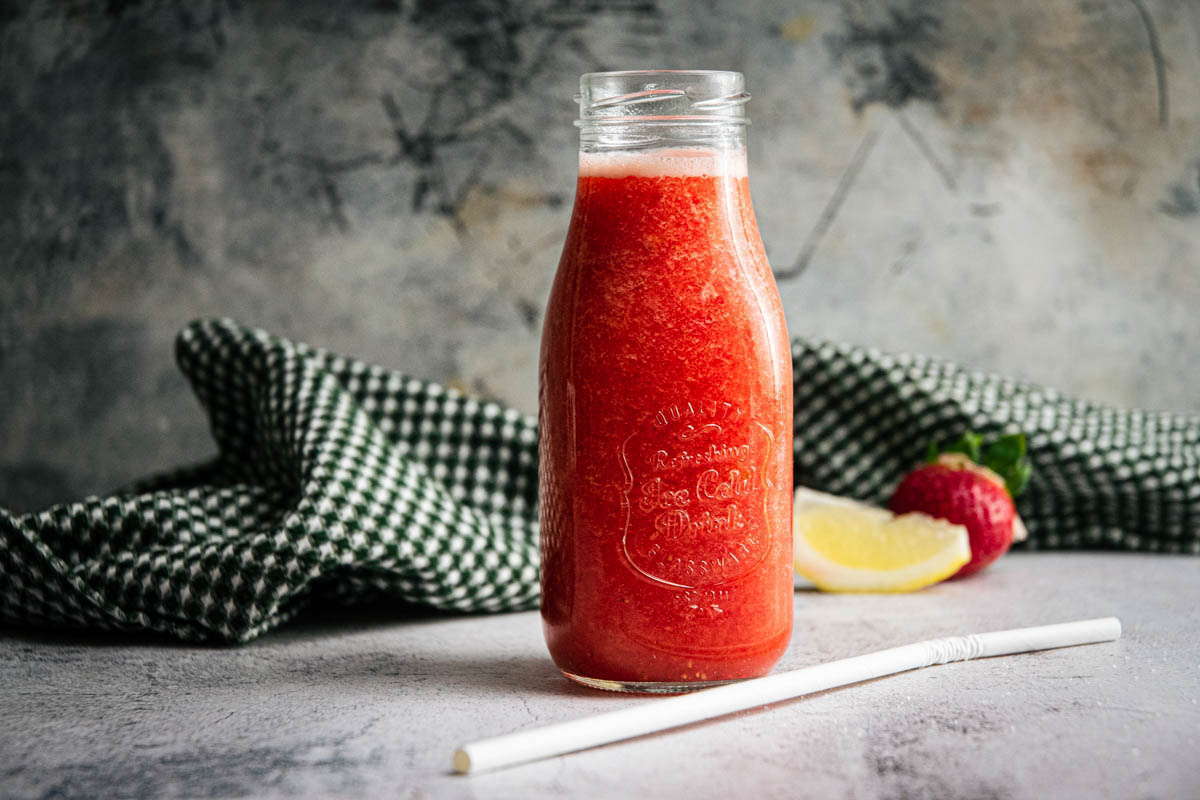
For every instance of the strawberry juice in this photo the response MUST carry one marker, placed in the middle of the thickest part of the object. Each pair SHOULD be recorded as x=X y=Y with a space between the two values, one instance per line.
x=666 y=417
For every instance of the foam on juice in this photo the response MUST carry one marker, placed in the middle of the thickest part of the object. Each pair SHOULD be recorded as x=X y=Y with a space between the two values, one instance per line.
x=674 y=163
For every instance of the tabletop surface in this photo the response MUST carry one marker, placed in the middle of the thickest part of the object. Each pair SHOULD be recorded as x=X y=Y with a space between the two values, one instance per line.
x=371 y=703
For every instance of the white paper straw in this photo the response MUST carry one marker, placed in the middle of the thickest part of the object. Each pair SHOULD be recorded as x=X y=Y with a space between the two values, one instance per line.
x=659 y=715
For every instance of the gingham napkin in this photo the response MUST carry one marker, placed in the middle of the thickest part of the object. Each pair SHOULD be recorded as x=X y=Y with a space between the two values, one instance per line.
x=337 y=481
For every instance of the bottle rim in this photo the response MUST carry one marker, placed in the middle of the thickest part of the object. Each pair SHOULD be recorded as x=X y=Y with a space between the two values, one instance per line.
x=656 y=71
x=662 y=97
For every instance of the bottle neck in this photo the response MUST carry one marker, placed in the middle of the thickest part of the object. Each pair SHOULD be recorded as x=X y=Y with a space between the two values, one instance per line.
x=632 y=136
x=650 y=149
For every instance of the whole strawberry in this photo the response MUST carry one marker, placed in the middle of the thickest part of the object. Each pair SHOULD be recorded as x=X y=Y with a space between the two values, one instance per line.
x=971 y=485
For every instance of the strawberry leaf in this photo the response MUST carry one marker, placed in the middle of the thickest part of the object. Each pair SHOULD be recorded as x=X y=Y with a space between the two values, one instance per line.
x=968 y=444
x=1005 y=456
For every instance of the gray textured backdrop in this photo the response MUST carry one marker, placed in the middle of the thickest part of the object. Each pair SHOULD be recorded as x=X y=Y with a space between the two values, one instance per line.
x=1011 y=183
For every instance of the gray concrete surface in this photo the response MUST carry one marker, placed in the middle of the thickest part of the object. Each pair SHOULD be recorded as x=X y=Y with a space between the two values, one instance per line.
x=1011 y=183
x=371 y=704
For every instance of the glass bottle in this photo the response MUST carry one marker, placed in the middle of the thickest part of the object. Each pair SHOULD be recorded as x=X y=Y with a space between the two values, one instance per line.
x=665 y=400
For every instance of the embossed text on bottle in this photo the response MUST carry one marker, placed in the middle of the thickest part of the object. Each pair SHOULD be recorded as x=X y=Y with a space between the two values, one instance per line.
x=697 y=480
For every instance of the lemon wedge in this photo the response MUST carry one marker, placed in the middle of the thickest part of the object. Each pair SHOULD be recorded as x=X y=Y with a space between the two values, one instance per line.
x=846 y=546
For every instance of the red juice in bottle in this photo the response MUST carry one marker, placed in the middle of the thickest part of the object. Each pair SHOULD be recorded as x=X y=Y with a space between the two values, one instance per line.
x=665 y=400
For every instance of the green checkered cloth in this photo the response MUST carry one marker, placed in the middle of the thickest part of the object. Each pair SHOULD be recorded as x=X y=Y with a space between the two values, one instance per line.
x=338 y=481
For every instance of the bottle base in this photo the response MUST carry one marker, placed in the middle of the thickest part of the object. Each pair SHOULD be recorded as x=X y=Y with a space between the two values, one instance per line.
x=645 y=687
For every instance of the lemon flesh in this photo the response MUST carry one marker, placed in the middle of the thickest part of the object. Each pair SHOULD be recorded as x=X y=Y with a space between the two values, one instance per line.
x=846 y=546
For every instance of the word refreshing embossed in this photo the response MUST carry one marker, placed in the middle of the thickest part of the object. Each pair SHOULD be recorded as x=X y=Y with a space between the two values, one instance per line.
x=716 y=453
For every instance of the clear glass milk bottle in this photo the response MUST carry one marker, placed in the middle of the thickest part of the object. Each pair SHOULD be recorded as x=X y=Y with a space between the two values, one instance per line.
x=665 y=400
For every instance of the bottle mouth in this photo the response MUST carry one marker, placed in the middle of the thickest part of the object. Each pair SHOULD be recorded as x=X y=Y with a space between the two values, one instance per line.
x=662 y=97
